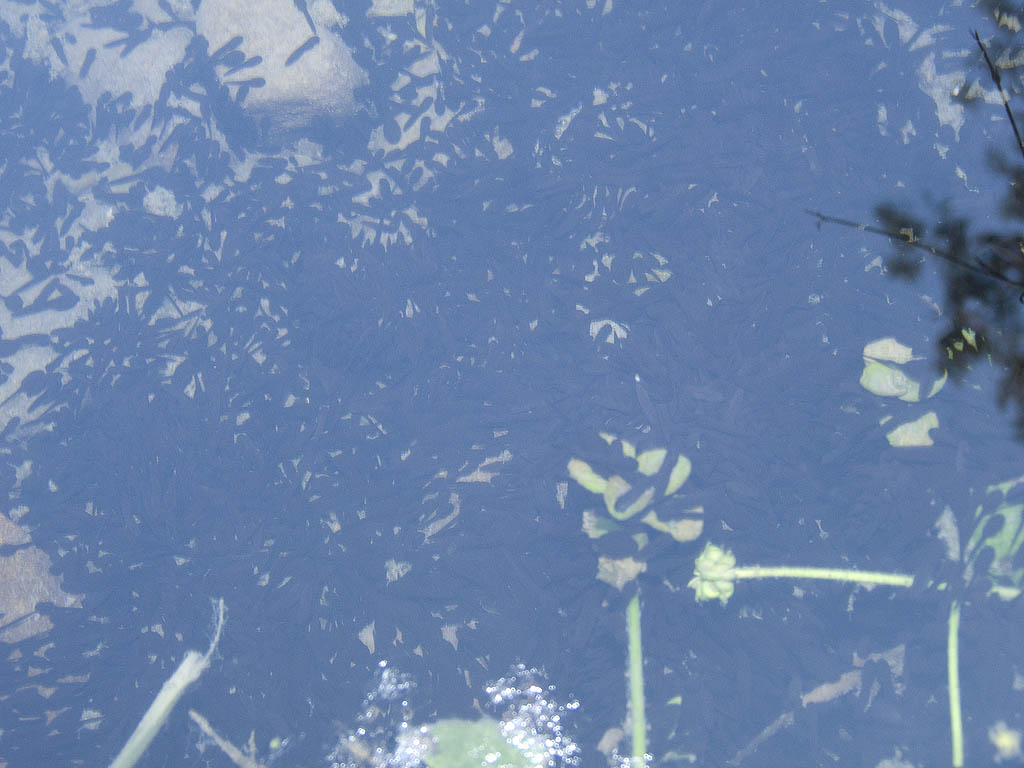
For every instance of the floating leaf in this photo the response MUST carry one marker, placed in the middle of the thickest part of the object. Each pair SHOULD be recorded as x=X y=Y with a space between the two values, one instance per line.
x=889 y=349
x=886 y=381
x=938 y=384
x=914 y=433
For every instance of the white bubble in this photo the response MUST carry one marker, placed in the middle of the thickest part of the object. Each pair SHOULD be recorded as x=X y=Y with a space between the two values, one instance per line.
x=531 y=719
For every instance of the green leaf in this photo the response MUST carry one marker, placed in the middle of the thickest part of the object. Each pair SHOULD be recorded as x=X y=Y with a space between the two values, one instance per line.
x=1004 y=543
x=886 y=381
x=619 y=572
x=617 y=486
x=682 y=530
x=679 y=475
x=649 y=462
x=615 y=489
x=914 y=433
x=472 y=744
x=938 y=384
x=889 y=349
x=638 y=505
x=713 y=574
x=581 y=472
x=596 y=526
x=628 y=450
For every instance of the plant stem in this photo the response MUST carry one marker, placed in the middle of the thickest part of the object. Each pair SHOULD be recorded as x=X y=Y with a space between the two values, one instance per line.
x=956 y=726
x=636 y=683
x=192 y=666
x=715 y=573
x=835 y=574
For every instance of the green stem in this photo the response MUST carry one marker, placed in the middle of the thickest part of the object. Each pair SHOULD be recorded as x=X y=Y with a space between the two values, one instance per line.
x=956 y=726
x=835 y=574
x=636 y=682
x=715 y=573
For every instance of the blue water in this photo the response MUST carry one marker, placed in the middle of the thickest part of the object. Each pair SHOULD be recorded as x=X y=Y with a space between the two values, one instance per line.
x=299 y=297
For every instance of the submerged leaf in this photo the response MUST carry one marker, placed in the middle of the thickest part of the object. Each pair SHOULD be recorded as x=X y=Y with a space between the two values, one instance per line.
x=713 y=574
x=680 y=473
x=649 y=462
x=638 y=505
x=682 y=530
x=472 y=744
x=596 y=526
x=1005 y=543
x=581 y=472
x=615 y=488
x=619 y=572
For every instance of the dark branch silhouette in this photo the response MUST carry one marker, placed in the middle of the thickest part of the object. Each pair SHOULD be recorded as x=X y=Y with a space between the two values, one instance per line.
x=983 y=270
x=999 y=84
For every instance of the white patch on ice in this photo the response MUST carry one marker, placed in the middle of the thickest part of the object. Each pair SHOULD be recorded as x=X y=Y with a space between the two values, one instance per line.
x=321 y=81
x=941 y=89
x=161 y=202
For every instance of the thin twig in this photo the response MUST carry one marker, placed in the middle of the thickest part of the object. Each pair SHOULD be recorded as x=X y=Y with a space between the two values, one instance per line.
x=908 y=238
x=999 y=84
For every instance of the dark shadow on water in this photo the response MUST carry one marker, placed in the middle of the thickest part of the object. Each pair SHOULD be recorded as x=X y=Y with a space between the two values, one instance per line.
x=982 y=266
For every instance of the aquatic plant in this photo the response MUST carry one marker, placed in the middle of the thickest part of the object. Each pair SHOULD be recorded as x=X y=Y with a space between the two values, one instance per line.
x=649 y=473
x=998 y=532
x=715 y=573
x=190 y=669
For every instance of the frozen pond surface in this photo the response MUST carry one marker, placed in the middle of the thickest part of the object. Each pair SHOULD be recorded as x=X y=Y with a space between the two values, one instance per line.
x=307 y=307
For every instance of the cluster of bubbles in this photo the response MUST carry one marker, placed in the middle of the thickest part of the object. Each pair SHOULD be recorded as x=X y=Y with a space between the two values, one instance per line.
x=383 y=720
x=530 y=719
